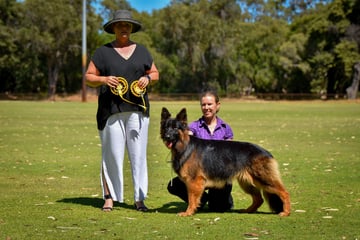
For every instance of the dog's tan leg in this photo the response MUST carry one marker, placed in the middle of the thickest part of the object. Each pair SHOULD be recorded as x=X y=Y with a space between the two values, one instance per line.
x=285 y=197
x=195 y=190
x=255 y=193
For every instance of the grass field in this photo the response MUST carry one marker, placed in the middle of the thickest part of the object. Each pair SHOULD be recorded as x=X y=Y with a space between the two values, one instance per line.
x=50 y=186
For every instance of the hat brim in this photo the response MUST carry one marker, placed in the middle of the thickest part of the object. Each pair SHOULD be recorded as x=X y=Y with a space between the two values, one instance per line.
x=109 y=29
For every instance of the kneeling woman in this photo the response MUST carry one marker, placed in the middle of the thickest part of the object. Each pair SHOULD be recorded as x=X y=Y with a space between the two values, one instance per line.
x=211 y=127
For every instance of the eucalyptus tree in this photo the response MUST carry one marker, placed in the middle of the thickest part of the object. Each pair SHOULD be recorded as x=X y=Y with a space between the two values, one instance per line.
x=261 y=43
x=222 y=54
x=293 y=70
x=197 y=37
x=107 y=8
x=182 y=28
x=51 y=32
x=10 y=57
x=329 y=52
x=278 y=9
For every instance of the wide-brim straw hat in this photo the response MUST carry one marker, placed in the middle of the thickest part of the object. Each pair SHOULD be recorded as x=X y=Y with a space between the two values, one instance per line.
x=122 y=16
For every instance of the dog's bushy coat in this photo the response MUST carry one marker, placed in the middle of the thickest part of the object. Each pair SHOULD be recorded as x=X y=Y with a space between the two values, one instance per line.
x=201 y=164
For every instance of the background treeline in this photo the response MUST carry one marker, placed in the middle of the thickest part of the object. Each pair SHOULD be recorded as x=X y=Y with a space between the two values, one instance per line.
x=238 y=47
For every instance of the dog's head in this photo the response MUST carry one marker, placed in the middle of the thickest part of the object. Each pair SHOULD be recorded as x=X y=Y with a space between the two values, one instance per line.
x=171 y=129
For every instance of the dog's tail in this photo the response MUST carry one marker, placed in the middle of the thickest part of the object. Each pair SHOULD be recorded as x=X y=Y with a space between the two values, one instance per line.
x=274 y=201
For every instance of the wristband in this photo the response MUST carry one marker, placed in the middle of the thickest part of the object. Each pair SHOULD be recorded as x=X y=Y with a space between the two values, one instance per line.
x=148 y=77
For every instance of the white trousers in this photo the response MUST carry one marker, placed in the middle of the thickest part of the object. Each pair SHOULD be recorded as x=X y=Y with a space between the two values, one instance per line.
x=128 y=129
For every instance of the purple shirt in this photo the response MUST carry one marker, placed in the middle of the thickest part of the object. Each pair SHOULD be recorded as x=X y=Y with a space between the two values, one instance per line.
x=222 y=130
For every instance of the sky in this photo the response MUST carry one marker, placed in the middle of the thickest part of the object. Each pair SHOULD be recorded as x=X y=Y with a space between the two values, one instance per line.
x=148 y=5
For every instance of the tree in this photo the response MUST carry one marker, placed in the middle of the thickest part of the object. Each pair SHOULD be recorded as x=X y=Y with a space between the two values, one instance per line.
x=293 y=71
x=329 y=52
x=353 y=89
x=261 y=42
x=10 y=14
x=233 y=45
x=52 y=30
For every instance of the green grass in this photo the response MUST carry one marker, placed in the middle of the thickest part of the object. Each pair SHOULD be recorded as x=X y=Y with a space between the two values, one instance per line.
x=50 y=186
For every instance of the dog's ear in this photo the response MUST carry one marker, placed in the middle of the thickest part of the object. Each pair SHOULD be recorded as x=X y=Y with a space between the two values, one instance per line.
x=182 y=117
x=165 y=114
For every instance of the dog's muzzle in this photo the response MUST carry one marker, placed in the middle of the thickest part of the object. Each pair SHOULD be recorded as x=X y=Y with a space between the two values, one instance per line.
x=171 y=137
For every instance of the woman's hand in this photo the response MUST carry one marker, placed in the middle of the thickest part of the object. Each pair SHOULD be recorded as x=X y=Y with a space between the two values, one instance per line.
x=144 y=81
x=111 y=81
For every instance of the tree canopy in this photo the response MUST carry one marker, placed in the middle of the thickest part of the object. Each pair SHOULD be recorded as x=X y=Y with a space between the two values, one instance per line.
x=235 y=46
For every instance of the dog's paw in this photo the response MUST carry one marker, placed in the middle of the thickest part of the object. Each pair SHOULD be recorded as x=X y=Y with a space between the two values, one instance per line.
x=284 y=214
x=185 y=214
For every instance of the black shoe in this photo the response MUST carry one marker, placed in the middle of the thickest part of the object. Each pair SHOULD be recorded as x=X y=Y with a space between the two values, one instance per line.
x=141 y=208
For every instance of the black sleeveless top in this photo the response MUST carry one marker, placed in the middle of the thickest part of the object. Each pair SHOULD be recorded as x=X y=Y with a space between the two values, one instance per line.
x=110 y=63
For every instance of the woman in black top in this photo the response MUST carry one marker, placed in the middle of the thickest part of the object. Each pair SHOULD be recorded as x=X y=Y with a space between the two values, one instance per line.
x=122 y=69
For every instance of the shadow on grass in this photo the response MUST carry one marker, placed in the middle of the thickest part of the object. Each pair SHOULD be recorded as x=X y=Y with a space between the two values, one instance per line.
x=171 y=207
x=176 y=207
x=93 y=202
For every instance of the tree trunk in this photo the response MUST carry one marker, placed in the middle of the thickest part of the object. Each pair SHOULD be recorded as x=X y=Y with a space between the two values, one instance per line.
x=54 y=64
x=53 y=75
x=353 y=89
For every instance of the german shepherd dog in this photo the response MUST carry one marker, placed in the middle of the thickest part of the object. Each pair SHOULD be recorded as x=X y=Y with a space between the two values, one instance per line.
x=201 y=164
